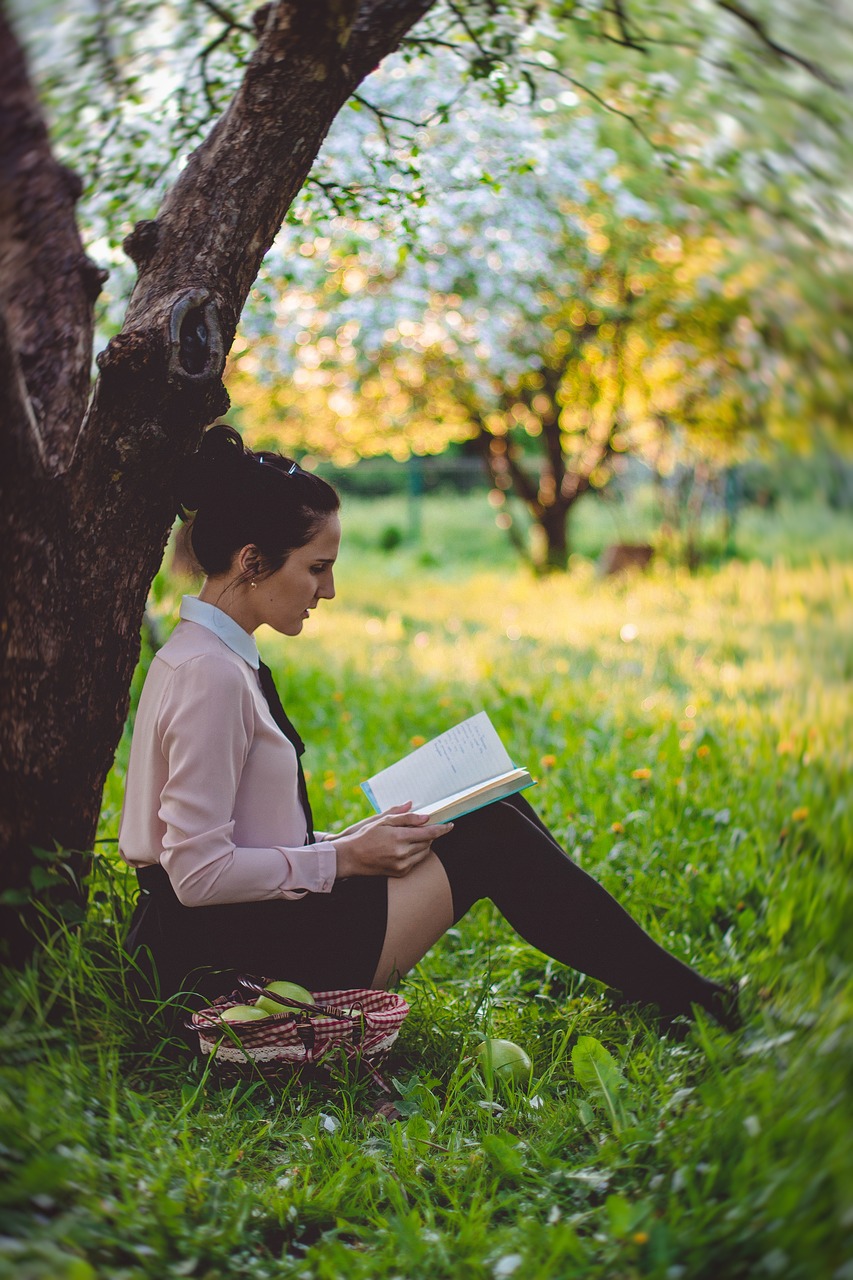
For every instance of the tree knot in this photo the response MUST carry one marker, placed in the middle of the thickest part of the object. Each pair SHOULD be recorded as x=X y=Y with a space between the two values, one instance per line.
x=129 y=352
x=140 y=244
x=195 y=343
x=259 y=19
x=94 y=277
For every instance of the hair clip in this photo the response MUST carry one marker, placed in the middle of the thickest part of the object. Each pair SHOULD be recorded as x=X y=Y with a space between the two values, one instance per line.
x=291 y=470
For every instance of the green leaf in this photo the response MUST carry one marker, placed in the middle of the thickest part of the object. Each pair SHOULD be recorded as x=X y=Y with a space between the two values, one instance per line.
x=598 y=1074
x=594 y=1066
x=620 y=1213
x=504 y=1157
x=586 y=1114
x=418 y=1130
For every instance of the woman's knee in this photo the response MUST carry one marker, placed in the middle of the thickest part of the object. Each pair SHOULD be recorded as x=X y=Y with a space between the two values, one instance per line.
x=493 y=821
x=420 y=910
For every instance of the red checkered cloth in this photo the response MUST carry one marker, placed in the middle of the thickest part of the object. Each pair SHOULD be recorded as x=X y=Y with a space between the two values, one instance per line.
x=291 y=1038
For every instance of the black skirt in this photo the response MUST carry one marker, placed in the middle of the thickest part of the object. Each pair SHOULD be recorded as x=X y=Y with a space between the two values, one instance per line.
x=322 y=940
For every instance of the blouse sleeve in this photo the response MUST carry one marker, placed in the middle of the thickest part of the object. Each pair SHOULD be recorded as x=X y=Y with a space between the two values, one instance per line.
x=205 y=727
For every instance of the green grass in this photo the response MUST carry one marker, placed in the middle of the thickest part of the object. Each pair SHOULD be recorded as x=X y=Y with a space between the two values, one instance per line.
x=457 y=533
x=712 y=1156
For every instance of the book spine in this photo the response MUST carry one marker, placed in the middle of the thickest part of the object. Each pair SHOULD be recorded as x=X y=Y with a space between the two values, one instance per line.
x=368 y=791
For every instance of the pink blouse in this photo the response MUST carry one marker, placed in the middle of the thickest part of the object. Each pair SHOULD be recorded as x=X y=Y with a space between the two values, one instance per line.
x=211 y=788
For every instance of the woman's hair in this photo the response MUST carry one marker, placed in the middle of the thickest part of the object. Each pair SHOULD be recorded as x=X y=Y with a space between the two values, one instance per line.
x=235 y=497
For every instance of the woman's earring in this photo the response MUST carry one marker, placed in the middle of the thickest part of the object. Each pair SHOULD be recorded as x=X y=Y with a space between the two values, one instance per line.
x=253 y=584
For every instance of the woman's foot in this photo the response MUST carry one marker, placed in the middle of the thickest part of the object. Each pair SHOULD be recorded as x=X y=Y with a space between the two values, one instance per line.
x=723 y=1007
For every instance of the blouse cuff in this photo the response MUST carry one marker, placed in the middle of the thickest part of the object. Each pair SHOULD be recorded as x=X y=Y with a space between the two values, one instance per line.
x=314 y=870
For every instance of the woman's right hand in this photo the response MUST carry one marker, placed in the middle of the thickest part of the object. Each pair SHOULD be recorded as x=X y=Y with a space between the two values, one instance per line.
x=391 y=845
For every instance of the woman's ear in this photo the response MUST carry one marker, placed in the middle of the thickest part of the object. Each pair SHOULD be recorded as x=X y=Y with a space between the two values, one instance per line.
x=249 y=561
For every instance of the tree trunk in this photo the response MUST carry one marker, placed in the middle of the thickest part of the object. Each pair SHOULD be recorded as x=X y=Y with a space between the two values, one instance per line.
x=88 y=502
x=554 y=522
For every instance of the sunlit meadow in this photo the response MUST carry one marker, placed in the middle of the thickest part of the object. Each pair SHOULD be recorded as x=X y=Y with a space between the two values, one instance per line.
x=690 y=736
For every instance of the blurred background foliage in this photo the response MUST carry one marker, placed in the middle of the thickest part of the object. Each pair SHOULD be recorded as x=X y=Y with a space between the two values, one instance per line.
x=554 y=238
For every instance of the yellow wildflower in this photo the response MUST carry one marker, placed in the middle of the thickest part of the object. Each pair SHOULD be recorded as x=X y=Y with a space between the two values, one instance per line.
x=617 y=828
x=640 y=1237
x=800 y=815
x=641 y=773
x=548 y=762
x=418 y=740
x=703 y=751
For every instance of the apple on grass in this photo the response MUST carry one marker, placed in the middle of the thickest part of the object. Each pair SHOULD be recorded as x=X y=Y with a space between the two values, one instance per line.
x=290 y=990
x=505 y=1058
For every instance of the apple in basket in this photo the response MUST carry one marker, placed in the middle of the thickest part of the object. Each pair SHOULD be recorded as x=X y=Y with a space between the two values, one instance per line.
x=243 y=1013
x=290 y=990
x=506 y=1059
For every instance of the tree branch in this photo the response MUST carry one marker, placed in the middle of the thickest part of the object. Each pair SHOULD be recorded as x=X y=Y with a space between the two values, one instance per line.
x=782 y=52
x=22 y=451
x=225 y=209
x=379 y=29
x=628 y=38
x=231 y=23
x=47 y=284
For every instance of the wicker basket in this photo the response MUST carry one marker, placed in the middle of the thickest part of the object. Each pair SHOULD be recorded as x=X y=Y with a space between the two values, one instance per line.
x=360 y=1022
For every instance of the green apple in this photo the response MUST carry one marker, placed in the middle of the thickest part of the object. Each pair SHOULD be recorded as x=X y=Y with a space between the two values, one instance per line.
x=507 y=1060
x=242 y=1013
x=291 y=990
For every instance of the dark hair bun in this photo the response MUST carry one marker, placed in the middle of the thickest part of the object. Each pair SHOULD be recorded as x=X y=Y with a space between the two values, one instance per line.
x=236 y=498
x=209 y=473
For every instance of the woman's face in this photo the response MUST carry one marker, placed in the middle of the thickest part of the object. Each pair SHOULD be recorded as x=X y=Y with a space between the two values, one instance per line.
x=283 y=600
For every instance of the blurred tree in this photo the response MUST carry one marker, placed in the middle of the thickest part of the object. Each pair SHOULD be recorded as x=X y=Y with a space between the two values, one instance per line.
x=575 y=307
x=201 y=121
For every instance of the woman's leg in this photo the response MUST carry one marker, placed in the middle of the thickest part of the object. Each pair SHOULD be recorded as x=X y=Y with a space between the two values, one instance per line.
x=420 y=910
x=504 y=852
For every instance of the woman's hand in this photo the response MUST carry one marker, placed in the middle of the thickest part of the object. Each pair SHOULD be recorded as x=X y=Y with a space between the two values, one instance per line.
x=388 y=845
x=367 y=822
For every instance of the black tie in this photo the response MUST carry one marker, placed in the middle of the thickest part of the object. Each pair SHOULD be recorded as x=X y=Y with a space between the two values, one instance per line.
x=280 y=716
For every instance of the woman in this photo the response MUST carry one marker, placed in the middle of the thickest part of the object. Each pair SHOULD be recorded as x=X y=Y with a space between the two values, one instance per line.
x=217 y=821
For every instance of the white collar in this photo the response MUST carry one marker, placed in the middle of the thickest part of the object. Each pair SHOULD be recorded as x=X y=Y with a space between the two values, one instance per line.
x=223 y=626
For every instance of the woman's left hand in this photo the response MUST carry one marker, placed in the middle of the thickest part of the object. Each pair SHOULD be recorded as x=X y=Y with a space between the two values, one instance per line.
x=357 y=826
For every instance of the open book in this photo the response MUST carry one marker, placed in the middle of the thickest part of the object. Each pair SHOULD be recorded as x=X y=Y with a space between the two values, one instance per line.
x=459 y=771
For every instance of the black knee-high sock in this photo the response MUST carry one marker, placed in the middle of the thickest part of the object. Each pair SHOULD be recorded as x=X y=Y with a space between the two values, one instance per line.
x=504 y=852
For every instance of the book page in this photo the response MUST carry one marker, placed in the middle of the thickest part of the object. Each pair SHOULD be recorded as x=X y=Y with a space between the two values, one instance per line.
x=505 y=782
x=467 y=754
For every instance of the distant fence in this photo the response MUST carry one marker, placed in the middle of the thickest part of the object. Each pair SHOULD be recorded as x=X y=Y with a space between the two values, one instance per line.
x=380 y=477
x=824 y=477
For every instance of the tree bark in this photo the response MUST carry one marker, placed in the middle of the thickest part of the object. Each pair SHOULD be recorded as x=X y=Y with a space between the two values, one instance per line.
x=554 y=524
x=88 y=501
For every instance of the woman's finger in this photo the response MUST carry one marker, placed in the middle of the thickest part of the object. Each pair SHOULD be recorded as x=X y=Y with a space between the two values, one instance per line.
x=406 y=819
x=434 y=830
x=417 y=857
x=407 y=864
